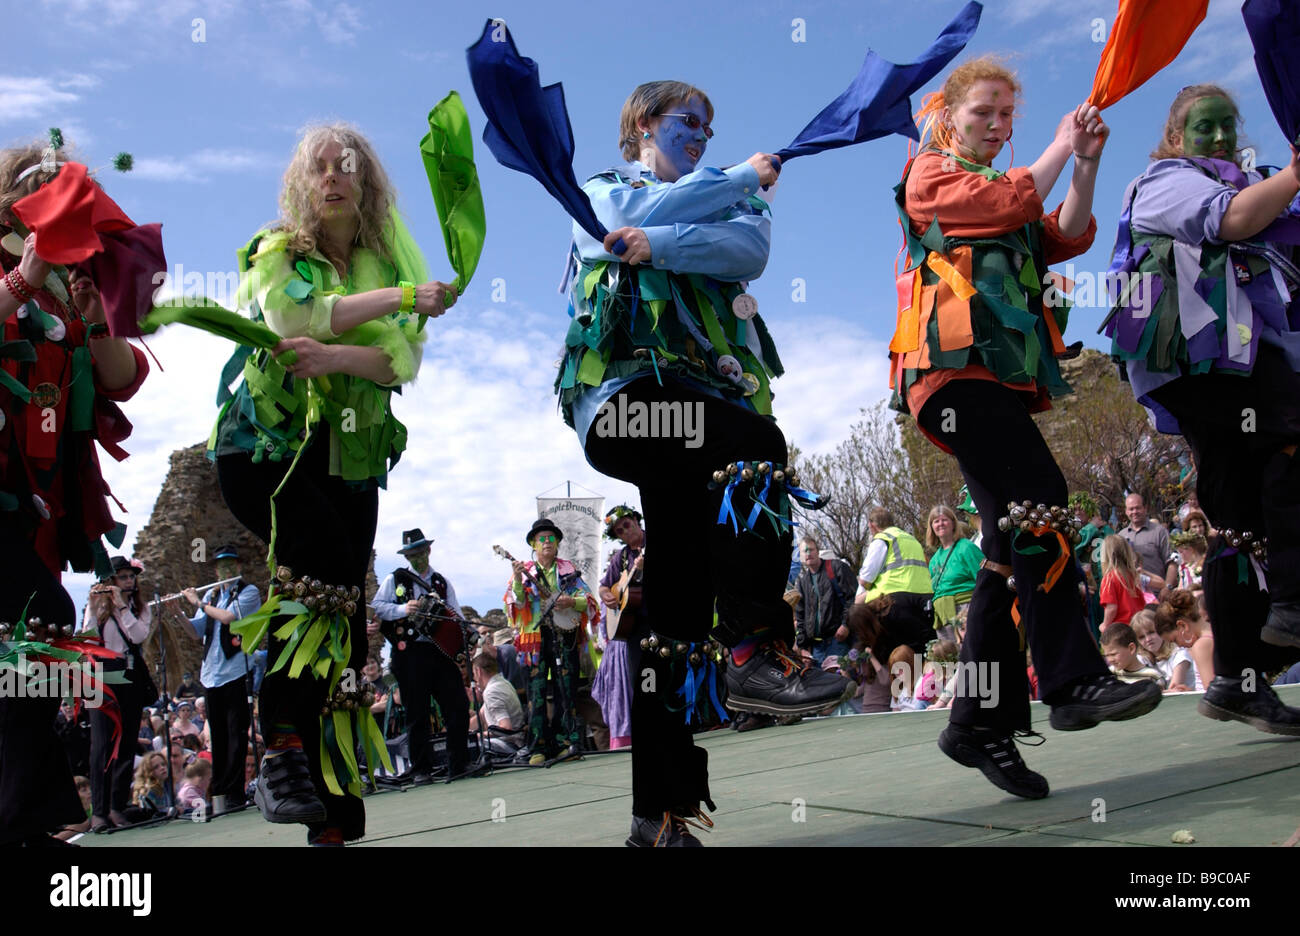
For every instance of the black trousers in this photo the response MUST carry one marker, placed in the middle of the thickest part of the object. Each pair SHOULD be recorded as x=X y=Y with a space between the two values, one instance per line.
x=112 y=766
x=697 y=564
x=37 y=794
x=1237 y=428
x=423 y=672
x=1003 y=458
x=326 y=530
x=228 y=723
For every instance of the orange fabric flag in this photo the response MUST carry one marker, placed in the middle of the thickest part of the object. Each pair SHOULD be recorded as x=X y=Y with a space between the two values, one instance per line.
x=1147 y=36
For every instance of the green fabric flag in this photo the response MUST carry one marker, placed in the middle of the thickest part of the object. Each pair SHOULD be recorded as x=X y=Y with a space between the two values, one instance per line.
x=448 y=154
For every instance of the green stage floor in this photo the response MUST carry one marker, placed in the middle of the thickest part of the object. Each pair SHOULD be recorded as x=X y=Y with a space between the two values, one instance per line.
x=866 y=780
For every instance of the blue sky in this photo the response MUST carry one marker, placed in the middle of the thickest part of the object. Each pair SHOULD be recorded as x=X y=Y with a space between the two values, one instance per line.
x=212 y=124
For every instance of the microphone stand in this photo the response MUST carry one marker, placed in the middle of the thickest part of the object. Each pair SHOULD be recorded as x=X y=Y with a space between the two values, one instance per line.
x=167 y=721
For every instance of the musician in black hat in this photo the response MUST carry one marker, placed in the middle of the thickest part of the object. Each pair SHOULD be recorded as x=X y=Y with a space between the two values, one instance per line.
x=116 y=610
x=550 y=606
x=225 y=675
x=418 y=611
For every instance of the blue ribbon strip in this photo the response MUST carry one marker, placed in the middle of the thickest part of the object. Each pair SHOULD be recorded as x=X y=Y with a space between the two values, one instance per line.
x=727 y=512
x=710 y=678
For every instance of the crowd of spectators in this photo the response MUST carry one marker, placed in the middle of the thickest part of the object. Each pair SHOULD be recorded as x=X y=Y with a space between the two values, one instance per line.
x=895 y=626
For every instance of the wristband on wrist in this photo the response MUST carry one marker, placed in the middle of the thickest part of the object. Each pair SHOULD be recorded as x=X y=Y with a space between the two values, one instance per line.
x=1087 y=158
x=18 y=287
x=408 y=297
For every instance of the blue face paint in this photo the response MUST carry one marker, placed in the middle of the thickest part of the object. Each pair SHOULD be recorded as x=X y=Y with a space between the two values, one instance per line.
x=672 y=138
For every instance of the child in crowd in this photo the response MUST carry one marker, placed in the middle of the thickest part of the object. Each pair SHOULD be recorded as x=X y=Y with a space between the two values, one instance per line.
x=194 y=791
x=1121 y=589
x=1179 y=619
x=1120 y=644
x=1173 y=662
x=149 y=794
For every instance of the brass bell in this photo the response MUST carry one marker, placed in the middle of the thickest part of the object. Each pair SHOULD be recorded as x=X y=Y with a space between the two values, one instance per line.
x=350 y=607
x=1026 y=526
x=645 y=643
x=778 y=475
x=794 y=479
x=696 y=659
x=653 y=641
x=747 y=474
x=680 y=648
x=310 y=602
x=764 y=468
x=719 y=476
x=665 y=651
x=733 y=469
x=299 y=589
x=1004 y=524
x=283 y=574
x=324 y=711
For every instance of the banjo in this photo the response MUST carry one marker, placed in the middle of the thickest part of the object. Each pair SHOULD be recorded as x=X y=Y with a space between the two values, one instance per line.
x=565 y=620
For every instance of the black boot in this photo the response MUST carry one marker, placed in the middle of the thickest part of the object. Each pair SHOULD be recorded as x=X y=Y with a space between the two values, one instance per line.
x=285 y=793
x=1226 y=699
x=995 y=755
x=1096 y=699
x=774 y=682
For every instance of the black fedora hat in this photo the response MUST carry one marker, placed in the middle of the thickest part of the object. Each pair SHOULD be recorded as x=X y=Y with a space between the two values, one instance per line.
x=544 y=526
x=413 y=540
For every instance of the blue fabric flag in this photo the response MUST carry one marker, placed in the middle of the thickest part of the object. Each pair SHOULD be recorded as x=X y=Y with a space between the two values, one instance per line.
x=1274 y=27
x=876 y=103
x=527 y=125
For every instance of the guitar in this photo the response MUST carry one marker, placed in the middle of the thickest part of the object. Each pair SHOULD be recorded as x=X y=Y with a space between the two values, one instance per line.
x=565 y=620
x=627 y=597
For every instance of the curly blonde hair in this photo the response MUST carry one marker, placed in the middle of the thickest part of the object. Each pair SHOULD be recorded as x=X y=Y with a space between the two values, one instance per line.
x=301 y=215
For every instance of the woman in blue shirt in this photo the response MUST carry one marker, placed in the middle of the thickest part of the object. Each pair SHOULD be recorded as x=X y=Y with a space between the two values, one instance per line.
x=665 y=380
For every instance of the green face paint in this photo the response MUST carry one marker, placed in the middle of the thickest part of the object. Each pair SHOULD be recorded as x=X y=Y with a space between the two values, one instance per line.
x=1211 y=129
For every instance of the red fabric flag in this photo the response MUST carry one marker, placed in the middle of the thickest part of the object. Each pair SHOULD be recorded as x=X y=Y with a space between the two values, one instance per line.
x=76 y=224
x=1147 y=36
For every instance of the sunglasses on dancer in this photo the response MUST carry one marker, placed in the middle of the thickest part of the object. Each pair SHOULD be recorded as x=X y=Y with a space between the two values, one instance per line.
x=693 y=122
x=546 y=538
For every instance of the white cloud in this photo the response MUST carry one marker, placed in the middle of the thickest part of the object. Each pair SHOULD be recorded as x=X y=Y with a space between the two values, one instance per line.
x=80 y=80
x=29 y=98
x=200 y=165
x=340 y=25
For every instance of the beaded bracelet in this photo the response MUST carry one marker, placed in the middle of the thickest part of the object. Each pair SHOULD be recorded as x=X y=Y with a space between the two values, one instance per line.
x=408 y=298
x=18 y=287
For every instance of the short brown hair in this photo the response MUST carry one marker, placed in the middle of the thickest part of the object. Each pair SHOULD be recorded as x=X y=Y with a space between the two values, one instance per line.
x=881 y=517
x=487 y=663
x=650 y=100
x=1118 y=635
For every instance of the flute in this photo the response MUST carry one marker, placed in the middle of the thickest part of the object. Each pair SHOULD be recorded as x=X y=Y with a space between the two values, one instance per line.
x=200 y=588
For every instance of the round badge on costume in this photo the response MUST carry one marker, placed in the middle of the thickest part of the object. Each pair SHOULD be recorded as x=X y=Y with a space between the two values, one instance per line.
x=46 y=395
x=750 y=383
x=730 y=368
x=56 y=331
x=744 y=307
x=401 y=645
x=12 y=243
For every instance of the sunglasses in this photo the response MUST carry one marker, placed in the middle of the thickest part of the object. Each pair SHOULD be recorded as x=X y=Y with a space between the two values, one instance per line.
x=545 y=538
x=693 y=122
